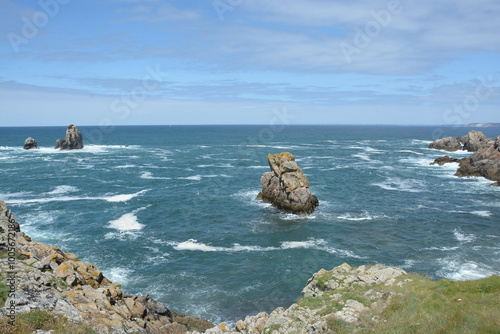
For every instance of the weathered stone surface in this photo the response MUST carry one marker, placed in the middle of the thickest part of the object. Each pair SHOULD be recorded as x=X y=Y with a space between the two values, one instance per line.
x=447 y=144
x=474 y=141
x=445 y=160
x=58 y=282
x=73 y=139
x=286 y=187
x=30 y=143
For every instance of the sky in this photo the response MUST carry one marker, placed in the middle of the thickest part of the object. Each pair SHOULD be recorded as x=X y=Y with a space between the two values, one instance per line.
x=135 y=62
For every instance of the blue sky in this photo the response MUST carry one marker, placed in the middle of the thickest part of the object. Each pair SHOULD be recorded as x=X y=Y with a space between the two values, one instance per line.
x=125 y=62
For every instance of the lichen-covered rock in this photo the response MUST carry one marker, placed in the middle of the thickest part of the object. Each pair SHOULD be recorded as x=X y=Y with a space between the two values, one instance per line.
x=447 y=144
x=51 y=280
x=30 y=143
x=73 y=140
x=286 y=187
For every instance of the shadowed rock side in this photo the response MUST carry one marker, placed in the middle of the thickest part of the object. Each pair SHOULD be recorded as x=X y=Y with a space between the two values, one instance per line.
x=286 y=187
x=73 y=141
x=484 y=162
x=30 y=143
x=49 y=279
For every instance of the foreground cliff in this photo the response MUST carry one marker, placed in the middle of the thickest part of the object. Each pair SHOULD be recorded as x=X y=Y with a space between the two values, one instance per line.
x=286 y=187
x=36 y=277
x=485 y=161
x=41 y=287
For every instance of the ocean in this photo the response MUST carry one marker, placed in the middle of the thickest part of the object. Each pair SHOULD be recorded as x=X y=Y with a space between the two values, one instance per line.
x=170 y=211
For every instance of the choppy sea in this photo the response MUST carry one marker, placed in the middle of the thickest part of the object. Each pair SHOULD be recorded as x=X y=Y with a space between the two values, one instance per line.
x=174 y=215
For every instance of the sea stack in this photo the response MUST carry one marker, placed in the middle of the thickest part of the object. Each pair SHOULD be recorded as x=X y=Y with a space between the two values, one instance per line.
x=30 y=143
x=73 y=141
x=286 y=187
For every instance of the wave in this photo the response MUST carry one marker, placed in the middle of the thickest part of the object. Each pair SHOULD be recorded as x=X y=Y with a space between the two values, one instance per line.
x=125 y=197
x=125 y=166
x=482 y=213
x=397 y=184
x=362 y=156
x=63 y=190
x=319 y=244
x=127 y=222
x=364 y=216
x=149 y=176
x=118 y=274
x=462 y=237
x=216 y=166
x=409 y=151
x=258 y=167
x=459 y=270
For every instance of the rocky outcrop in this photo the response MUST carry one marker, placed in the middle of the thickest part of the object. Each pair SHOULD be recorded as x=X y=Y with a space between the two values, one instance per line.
x=30 y=143
x=474 y=141
x=485 y=162
x=73 y=139
x=46 y=278
x=346 y=294
x=286 y=187
x=448 y=144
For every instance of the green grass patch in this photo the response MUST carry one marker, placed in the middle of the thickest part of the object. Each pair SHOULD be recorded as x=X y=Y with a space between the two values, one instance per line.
x=444 y=307
x=4 y=293
x=27 y=323
x=271 y=328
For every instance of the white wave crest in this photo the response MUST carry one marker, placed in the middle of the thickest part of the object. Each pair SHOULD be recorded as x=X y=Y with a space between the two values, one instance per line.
x=397 y=184
x=63 y=190
x=125 y=197
x=462 y=237
x=484 y=213
x=149 y=176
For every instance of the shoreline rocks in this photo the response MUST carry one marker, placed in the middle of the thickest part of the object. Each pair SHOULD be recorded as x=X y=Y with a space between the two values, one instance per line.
x=30 y=144
x=46 y=278
x=73 y=140
x=484 y=162
x=286 y=187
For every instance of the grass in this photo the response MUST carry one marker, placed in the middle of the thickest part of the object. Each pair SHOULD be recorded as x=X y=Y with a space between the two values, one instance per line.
x=4 y=293
x=27 y=323
x=444 y=307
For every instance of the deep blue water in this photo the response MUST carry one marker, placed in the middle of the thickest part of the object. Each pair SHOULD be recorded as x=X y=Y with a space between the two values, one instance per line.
x=174 y=215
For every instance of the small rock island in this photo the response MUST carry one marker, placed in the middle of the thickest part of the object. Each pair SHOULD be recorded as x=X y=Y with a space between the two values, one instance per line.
x=484 y=162
x=30 y=144
x=286 y=187
x=73 y=140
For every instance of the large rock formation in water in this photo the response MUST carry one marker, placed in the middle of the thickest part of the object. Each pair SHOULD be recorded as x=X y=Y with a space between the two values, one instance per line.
x=48 y=279
x=30 y=143
x=484 y=162
x=73 y=139
x=286 y=187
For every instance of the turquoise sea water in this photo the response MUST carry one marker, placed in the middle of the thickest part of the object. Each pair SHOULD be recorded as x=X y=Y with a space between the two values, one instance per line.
x=174 y=214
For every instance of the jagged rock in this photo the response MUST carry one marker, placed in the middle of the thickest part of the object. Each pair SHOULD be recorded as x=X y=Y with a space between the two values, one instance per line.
x=73 y=139
x=485 y=162
x=474 y=141
x=51 y=280
x=30 y=143
x=286 y=187
x=445 y=160
x=447 y=144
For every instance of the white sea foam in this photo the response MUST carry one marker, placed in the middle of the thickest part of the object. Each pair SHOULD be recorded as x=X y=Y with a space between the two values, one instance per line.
x=194 y=178
x=125 y=197
x=63 y=190
x=149 y=176
x=355 y=217
x=482 y=213
x=397 y=184
x=125 y=166
x=362 y=156
x=408 y=263
x=409 y=151
x=127 y=222
x=118 y=274
x=462 y=237
x=318 y=244
x=258 y=167
x=459 y=270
